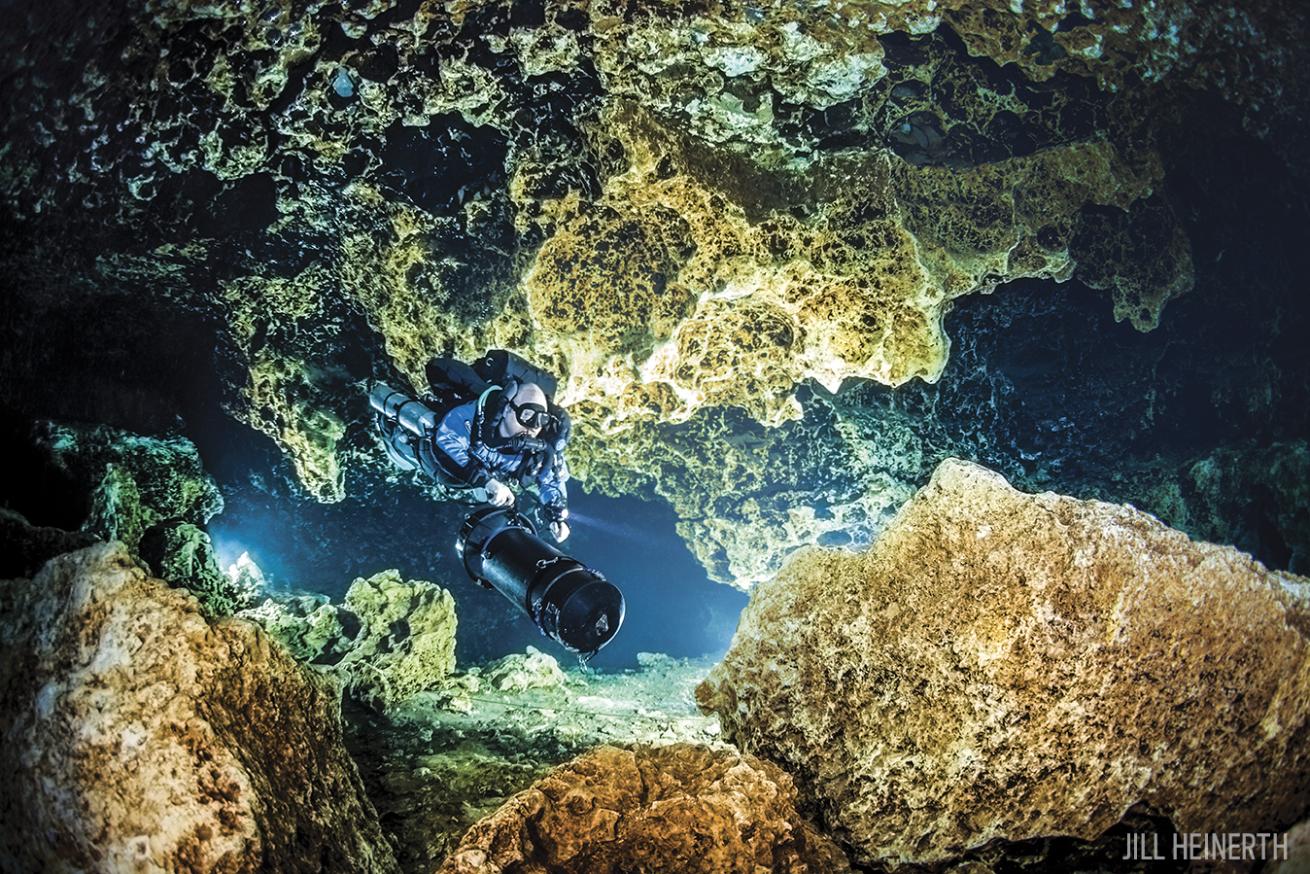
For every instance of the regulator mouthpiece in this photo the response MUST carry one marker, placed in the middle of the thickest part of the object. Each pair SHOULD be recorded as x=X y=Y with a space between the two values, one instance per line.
x=570 y=602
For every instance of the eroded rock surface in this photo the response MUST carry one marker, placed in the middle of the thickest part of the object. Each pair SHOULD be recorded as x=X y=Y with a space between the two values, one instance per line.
x=133 y=481
x=138 y=735
x=406 y=642
x=149 y=492
x=1009 y=666
x=443 y=760
x=694 y=214
x=675 y=808
x=532 y=669
x=388 y=640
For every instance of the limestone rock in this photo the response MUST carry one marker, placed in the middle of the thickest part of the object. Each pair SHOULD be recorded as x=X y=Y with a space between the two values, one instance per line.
x=676 y=808
x=246 y=574
x=133 y=480
x=27 y=546
x=1009 y=666
x=443 y=760
x=309 y=626
x=153 y=494
x=183 y=554
x=533 y=669
x=716 y=204
x=139 y=736
x=388 y=640
x=117 y=512
x=683 y=210
x=406 y=640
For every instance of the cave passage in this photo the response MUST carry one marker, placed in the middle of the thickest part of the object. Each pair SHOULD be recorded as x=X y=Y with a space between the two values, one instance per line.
x=672 y=606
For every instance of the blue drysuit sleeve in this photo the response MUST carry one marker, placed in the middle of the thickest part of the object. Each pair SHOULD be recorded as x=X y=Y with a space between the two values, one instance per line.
x=551 y=488
x=453 y=438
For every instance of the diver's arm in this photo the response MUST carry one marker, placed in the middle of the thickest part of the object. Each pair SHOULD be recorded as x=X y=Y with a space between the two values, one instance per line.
x=555 y=496
x=550 y=485
x=453 y=441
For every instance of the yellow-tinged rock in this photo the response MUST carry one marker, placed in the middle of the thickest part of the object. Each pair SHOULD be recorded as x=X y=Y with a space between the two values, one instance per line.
x=674 y=290
x=682 y=807
x=1007 y=666
x=135 y=735
x=406 y=640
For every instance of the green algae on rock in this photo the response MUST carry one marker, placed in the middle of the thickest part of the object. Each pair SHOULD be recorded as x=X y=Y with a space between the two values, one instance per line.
x=184 y=555
x=682 y=209
x=135 y=480
x=388 y=640
x=406 y=639
x=152 y=494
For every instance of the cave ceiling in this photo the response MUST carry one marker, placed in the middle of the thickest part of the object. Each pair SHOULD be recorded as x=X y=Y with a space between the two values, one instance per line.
x=708 y=218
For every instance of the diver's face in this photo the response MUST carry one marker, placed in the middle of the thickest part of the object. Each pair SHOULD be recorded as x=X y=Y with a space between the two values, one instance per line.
x=524 y=401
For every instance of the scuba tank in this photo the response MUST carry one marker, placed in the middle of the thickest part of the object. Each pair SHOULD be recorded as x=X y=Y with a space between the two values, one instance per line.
x=408 y=424
x=452 y=382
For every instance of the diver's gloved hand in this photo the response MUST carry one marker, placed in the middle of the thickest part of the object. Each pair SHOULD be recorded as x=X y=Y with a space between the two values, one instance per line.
x=559 y=529
x=498 y=494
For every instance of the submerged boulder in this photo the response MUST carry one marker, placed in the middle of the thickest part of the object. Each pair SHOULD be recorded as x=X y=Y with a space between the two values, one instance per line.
x=132 y=481
x=137 y=735
x=388 y=640
x=406 y=640
x=531 y=669
x=681 y=807
x=309 y=626
x=1009 y=666
x=150 y=493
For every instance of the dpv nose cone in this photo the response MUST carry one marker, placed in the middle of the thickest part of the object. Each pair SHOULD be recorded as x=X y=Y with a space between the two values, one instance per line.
x=591 y=616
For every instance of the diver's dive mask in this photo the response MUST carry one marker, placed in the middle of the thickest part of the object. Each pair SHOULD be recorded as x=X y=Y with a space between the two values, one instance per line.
x=530 y=415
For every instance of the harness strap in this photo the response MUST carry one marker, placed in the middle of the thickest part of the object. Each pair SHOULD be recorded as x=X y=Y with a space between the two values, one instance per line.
x=480 y=415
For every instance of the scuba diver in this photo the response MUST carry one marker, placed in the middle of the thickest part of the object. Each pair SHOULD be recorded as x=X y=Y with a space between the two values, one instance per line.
x=480 y=428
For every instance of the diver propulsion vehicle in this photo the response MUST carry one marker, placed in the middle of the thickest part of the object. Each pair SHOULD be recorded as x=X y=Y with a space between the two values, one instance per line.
x=570 y=602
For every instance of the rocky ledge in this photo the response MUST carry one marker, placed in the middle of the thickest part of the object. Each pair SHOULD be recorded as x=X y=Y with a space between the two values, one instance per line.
x=1005 y=666
x=137 y=735
x=681 y=807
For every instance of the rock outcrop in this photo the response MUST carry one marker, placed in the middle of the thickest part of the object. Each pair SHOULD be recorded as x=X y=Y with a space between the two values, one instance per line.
x=693 y=214
x=152 y=494
x=387 y=641
x=676 y=808
x=1010 y=666
x=133 y=481
x=137 y=735
x=442 y=761
x=532 y=669
x=27 y=546
x=406 y=642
